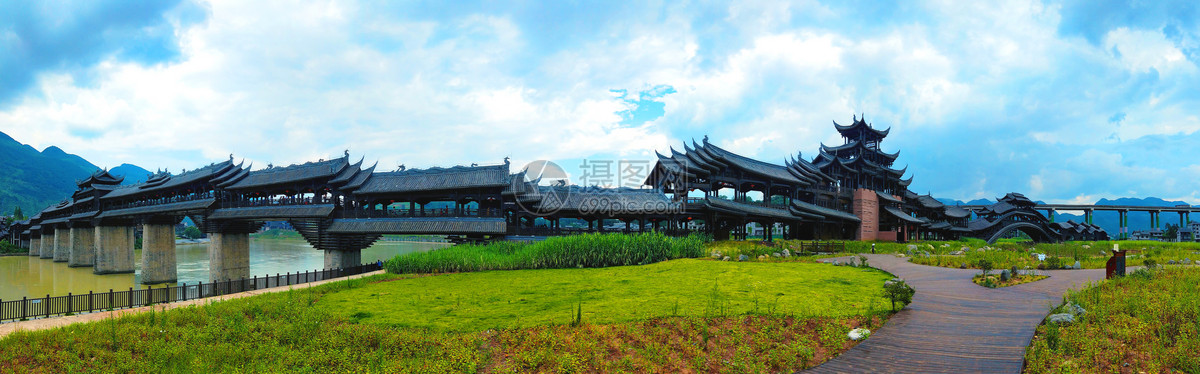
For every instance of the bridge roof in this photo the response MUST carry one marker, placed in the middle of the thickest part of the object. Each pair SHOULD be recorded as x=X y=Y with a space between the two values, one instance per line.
x=765 y=169
x=823 y=211
x=167 y=182
x=899 y=214
x=290 y=174
x=749 y=209
x=458 y=177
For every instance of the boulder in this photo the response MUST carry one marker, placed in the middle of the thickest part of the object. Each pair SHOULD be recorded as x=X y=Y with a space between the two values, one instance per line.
x=1061 y=318
x=858 y=334
x=716 y=255
x=1187 y=261
x=956 y=253
x=743 y=258
x=1075 y=309
x=726 y=258
x=1085 y=246
x=963 y=266
x=776 y=254
x=1005 y=275
x=1077 y=265
x=980 y=250
x=1014 y=271
x=912 y=247
x=1170 y=262
x=786 y=253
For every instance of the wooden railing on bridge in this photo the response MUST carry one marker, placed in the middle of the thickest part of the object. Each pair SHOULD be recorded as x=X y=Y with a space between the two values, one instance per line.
x=42 y=307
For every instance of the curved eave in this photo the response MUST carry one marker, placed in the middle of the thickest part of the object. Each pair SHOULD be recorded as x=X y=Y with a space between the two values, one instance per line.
x=699 y=159
x=709 y=155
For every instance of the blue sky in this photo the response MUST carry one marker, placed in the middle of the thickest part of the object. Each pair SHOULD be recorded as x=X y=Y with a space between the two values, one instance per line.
x=1063 y=101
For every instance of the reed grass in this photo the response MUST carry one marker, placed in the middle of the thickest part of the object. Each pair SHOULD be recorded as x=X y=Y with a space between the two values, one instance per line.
x=576 y=251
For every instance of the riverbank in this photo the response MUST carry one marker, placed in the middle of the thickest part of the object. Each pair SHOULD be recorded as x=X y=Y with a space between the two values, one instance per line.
x=62 y=321
x=681 y=315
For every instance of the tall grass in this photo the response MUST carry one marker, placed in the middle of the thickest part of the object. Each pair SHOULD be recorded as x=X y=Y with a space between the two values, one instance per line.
x=6 y=247
x=1146 y=322
x=576 y=251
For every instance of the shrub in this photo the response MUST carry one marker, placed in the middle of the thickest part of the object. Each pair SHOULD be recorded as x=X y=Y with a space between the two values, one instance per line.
x=1053 y=263
x=1149 y=263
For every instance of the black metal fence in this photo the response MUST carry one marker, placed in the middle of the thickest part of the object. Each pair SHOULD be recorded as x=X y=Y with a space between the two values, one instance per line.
x=27 y=308
x=818 y=247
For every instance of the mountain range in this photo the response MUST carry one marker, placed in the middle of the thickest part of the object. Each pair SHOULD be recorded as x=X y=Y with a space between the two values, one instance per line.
x=1109 y=221
x=32 y=179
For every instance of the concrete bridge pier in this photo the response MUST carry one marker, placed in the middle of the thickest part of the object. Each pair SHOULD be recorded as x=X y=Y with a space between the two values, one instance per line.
x=46 y=250
x=114 y=249
x=1087 y=216
x=1124 y=218
x=341 y=259
x=158 y=253
x=35 y=246
x=228 y=256
x=83 y=247
x=62 y=245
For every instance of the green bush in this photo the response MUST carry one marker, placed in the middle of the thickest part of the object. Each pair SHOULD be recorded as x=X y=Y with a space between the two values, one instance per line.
x=6 y=247
x=1053 y=263
x=576 y=251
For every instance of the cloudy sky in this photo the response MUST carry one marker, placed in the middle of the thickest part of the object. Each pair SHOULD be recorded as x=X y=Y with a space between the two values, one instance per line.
x=1065 y=102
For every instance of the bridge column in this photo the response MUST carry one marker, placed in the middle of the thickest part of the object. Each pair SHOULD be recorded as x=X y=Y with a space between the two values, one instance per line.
x=158 y=253
x=1154 y=219
x=47 y=246
x=1087 y=216
x=35 y=245
x=1181 y=223
x=229 y=256
x=1050 y=212
x=62 y=245
x=341 y=259
x=114 y=249
x=83 y=247
x=1123 y=216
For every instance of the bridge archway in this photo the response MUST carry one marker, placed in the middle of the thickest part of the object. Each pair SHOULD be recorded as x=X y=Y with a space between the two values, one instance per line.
x=1036 y=232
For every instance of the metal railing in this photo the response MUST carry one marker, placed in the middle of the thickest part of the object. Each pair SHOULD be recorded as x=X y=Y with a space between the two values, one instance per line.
x=818 y=247
x=43 y=307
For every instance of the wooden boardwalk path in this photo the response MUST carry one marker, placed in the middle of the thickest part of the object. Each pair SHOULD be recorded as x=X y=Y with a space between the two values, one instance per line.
x=954 y=325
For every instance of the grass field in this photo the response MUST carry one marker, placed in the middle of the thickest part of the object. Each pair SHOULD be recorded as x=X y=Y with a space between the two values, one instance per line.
x=1147 y=322
x=1007 y=253
x=682 y=315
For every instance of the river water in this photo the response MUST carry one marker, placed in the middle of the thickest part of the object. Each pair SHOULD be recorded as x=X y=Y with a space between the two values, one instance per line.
x=25 y=276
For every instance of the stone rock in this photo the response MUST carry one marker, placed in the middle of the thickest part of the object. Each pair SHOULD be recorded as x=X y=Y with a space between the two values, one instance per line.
x=1170 y=262
x=980 y=250
x=1061 y=318
x=760 y=257
x=963 y=266
x=716 y=255
x=1014 y=270
x=743 y=258
x=956 y=253
x=912 y=247
x=947 y=245
x=776 y=254
x=1085 y=246
x=1005 y=275
x=1077 y=265
x=858 y=334
x=726 y=258
x=787 y=253
x=901 y=255
x=1075 y=309
x=835 y=263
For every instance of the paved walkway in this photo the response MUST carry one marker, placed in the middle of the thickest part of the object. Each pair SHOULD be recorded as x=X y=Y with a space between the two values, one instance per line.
x=954 y=325
x=55 y=322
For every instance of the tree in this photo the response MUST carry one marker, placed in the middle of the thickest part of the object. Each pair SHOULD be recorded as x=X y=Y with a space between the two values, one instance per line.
x=18 y=215
x=1171 y=232
x=898 y=291
x=985 y=265
x=191 y=232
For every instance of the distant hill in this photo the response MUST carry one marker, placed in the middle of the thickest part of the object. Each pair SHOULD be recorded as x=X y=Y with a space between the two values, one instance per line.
x=133 y=174
x=33 y=180
x=960 y=202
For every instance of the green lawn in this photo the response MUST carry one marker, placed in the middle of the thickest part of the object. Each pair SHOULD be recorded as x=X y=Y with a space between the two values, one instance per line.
x=1147 y=322
x=734 y=317
x=691 y=287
